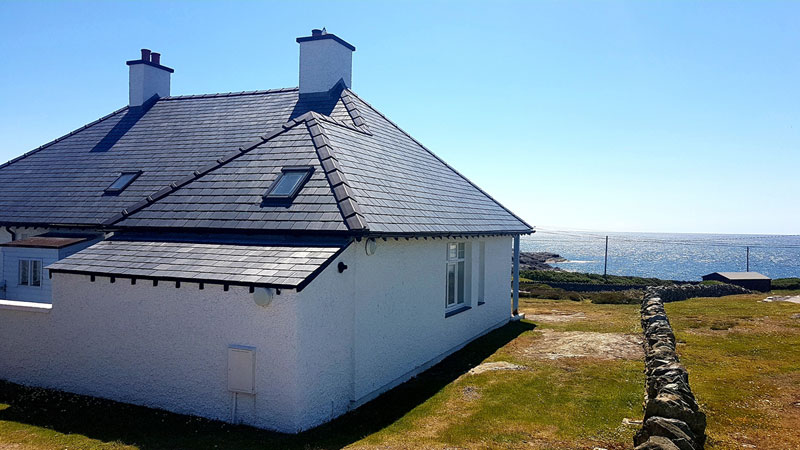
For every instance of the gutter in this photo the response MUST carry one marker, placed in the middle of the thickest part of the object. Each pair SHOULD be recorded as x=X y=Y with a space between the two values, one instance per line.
x=13 y=234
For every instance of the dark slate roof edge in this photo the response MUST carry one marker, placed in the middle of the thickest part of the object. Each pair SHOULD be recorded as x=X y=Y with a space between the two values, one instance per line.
x=530 y=228
x=170 y=279
x=59 y=139
x=348 y=206
x=299 y=286
x=174 y=186
x=230 y=94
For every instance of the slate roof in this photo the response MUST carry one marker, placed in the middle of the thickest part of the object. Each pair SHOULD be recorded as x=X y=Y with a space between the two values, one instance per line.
x=250 y=265
x=208 y=160
x=741 y=275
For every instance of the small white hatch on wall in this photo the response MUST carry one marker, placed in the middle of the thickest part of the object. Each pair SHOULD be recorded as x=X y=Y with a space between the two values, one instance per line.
x=242 y=369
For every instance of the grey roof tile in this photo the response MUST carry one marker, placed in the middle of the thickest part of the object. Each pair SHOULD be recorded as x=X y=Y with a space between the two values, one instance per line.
x=369 y=174
x=285 y=266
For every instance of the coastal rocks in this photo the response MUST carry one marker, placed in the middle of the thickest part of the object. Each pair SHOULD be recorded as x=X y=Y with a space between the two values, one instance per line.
x=672 y=417
x=686 y=291
x=539 y=260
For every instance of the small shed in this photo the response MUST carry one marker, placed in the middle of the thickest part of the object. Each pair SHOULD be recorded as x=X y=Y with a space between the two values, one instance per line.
x=748 y=280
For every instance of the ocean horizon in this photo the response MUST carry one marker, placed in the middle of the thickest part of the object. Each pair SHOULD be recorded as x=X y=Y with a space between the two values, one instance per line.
x=673 y=256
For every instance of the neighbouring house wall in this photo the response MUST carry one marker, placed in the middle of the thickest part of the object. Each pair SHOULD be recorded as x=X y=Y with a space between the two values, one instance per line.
x=10 y=274
x=161 y=347
x=10 y=257
x=382 y=320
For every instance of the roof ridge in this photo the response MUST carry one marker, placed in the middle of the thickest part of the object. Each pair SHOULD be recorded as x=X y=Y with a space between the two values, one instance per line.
x=348 y=205
x=229 y=94
x=440 y=159
x=174 y=186
x=61 y=138
x=352 y=109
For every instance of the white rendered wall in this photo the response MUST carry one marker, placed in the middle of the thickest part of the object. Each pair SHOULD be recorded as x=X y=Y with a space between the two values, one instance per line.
x=159 y=346
x=323 y=63
x=146 y=81
x=383 y=320
x=344 y=339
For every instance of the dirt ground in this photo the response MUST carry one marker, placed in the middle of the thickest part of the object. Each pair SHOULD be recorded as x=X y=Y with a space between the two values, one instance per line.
x=584 y=344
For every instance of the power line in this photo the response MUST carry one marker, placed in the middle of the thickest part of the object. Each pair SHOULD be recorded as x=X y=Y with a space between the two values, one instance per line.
x=685 y=242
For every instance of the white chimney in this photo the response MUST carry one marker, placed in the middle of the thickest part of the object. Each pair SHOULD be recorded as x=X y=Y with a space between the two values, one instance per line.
x=324 y=60
x=147 y=78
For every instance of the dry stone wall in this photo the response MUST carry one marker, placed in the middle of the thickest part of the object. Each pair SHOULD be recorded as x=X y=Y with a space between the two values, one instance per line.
x=687 y=291
x=672 y=417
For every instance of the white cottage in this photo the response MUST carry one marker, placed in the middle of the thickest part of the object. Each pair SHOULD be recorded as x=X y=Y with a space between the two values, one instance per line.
x=273 y=258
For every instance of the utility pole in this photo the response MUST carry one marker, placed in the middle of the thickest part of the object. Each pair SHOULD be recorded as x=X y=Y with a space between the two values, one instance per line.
x=748 y=258
x=605 y=264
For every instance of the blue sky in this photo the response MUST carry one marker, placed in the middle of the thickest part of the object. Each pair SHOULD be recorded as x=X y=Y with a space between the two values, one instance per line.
x=626 y=116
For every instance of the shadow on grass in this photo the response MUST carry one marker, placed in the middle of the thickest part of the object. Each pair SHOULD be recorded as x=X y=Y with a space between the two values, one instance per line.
x=147 y=428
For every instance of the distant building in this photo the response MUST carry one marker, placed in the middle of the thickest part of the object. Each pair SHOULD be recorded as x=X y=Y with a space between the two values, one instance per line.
x=748 y=280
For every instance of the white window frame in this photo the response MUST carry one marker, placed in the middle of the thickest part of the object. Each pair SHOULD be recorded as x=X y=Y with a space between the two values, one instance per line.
x=29 y=263
x=460 y=285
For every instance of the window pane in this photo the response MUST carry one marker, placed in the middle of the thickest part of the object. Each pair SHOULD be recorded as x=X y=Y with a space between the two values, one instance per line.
x=36 y=273
x=287 y=183
x=461 y=282
x=23 y=272
x=451 y=251
x=451 y=284
x=122 y=181
x=461 y=250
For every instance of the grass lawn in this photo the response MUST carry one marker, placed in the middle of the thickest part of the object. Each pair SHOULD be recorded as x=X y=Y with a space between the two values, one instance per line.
x=743 y=358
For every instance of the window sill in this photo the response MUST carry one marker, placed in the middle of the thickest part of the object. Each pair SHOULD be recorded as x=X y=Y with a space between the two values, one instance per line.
x=481 y=303
x=455 y=311
x=26 y=306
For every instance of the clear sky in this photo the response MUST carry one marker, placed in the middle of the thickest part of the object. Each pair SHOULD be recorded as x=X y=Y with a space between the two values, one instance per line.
x=625 y=116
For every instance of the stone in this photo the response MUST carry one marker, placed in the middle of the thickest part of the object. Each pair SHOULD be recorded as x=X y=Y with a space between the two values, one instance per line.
x=675 y=407
x=657 y=443
x=674 y=430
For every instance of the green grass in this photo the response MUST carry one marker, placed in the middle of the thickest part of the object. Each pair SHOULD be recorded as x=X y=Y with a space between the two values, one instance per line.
x=543 y=276
x=743 y=358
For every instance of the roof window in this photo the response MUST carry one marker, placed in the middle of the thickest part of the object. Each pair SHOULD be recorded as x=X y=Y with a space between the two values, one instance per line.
x=289 y=183
x=119 y=185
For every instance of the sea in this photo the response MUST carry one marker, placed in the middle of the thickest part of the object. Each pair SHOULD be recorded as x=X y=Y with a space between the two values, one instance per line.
x=671 y=256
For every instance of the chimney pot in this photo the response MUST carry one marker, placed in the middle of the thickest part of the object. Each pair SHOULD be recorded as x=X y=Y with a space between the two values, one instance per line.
x=316 y=32
x=145 y=55
x=155 y=58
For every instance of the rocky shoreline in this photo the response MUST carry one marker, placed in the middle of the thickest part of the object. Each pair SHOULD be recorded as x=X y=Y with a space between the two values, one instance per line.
x=539 y=261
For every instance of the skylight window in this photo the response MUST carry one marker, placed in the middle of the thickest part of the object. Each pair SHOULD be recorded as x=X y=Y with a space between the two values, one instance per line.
x=289 y=183
x=122 y=182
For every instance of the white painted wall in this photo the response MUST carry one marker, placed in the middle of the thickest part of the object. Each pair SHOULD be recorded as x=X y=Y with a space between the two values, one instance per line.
x=146 y=81
x=383 y=320
x=341 y=341
x=157 y=346
x=323 y=63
